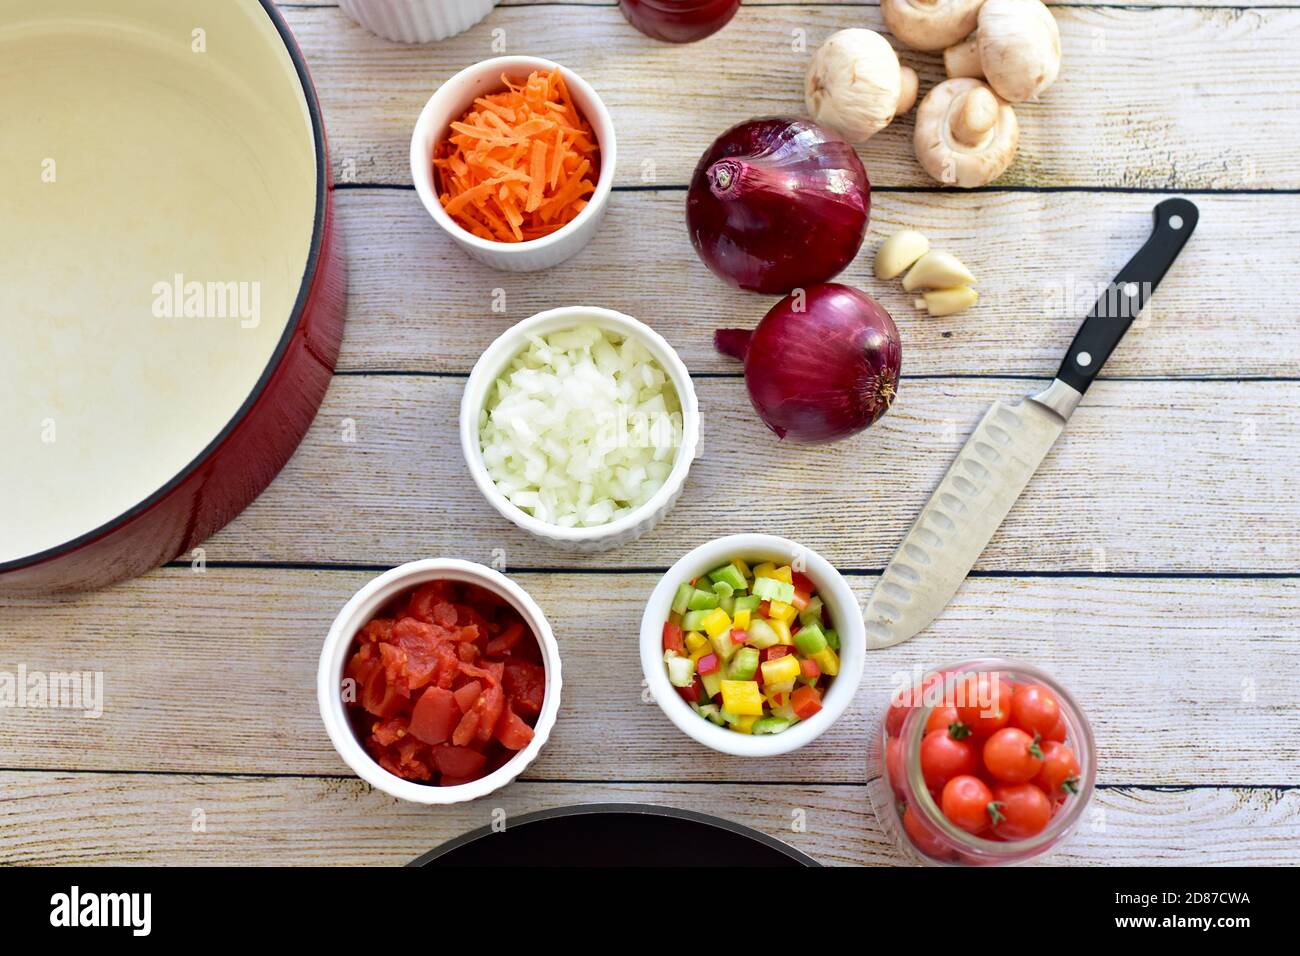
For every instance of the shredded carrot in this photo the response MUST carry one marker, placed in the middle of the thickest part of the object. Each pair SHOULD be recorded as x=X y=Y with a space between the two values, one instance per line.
x=521 y=163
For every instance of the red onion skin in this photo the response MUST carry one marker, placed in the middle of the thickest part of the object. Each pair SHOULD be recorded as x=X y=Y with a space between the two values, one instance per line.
x=777 y=204
x=824 y=372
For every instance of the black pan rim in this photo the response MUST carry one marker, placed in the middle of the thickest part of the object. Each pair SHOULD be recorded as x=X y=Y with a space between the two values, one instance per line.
x=590 y=809
x=290 y=330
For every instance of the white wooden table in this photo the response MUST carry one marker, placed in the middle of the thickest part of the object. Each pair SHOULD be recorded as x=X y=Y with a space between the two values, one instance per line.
x=1152 y=565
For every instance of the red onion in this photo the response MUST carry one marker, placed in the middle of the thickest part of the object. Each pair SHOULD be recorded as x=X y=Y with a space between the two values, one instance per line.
x=822 y=364
x=777 y=204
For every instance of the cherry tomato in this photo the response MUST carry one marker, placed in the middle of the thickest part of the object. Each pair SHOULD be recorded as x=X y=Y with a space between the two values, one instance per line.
x=941 y=718
x=894 y=717
x=991 y=708
x=923 y=838
x=965 y=802
x=943 y=757
x=1057 y=733
x=1020 y=811
x=1060 y=774
x=1034 y=709
x=1012 y=756
x=894 y=763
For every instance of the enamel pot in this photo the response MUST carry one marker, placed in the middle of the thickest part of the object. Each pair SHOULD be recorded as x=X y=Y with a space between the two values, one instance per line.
x=172 y=289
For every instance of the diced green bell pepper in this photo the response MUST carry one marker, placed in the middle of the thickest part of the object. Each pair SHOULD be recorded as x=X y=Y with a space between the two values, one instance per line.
x=812 y=613
x=743 y=664
x=702 y=600
x=712 y=711
x=681 y=598
x=747 y=602
x=723 y=590
x=770 y=589
x=770 y=725
x=810 y=640
x=693 y=620
x=730 y=574
x=832 y=637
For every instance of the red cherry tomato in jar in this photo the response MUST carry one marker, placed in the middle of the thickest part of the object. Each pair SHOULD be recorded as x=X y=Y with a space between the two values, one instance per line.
x=942 y=718
x=1034 y=709
x=894 y=717
x=1060 y=774
x=923 y=838
x=943 y=757
x=1057 y=733
x=1020 y=811
x=1012 y=756
x=894 y=763
x=991 y=708
x=965 y=802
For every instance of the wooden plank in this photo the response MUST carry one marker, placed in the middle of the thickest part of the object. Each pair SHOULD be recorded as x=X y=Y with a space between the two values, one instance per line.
x=1109 y=121
x=51 y=818
x=1150 y=476
x=1041 y=260
x=215 y=672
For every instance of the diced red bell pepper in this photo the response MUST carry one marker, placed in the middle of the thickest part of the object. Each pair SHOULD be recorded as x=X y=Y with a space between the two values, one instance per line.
x=707 y=664
x=673 y=638
x=802 y=582
x=773 y=652
x=739 y=635
x=810 y=669
x=765 y=609
x=805 y=702
x=691 y=694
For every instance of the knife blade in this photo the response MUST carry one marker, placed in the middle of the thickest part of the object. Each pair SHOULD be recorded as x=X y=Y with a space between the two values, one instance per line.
x=1006 y=448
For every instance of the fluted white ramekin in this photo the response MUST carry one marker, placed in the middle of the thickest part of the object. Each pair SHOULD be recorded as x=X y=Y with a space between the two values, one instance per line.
x=417 y=21
x=494 y=361
x=449 y=104
x=361 y=609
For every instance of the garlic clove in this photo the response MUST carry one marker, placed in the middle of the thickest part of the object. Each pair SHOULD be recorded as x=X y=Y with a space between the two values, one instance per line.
x=898 y=252
x=939 y=302
x=937 y=270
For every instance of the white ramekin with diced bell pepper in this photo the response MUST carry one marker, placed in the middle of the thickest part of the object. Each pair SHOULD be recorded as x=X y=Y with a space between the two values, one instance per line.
x=752 y=644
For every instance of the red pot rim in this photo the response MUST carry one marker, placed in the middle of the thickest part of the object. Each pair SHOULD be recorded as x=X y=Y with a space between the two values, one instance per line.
x=290 y=329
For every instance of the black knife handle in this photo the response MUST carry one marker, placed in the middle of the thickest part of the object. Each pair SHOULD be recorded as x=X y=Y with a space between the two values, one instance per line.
x=1121 y=302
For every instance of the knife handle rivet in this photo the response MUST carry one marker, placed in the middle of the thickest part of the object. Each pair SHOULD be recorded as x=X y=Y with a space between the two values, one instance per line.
x=1175 y=222
x=1130 y=289
x=1084 y=359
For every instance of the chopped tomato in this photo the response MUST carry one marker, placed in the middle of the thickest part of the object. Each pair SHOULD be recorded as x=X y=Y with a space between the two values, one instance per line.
x=805 y=701
x=435 y=715
x=467 y=695
x=809 y=669
x=513 y=733
x=802 y=582
x=449 y=681
x=459 y=761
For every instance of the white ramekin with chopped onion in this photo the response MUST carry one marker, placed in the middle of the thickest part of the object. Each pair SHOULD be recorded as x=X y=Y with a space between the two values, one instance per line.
x=579 y=425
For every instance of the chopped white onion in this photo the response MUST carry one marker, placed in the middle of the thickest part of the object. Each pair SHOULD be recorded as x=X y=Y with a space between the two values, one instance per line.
x=582 y=427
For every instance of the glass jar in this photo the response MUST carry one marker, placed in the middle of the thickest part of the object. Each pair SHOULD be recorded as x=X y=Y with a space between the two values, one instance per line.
x=679 y=21
x=909 y=810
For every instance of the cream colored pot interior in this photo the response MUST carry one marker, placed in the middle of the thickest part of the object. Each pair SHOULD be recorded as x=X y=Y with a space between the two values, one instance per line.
x=157 y=198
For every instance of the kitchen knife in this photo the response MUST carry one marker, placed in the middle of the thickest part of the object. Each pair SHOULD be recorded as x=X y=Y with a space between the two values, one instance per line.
x=1006 y=448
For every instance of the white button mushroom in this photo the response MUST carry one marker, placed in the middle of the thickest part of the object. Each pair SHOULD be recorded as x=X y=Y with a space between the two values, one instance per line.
x=1016 y=48
x=965 y=135
x=855 y=85
x=930 y=24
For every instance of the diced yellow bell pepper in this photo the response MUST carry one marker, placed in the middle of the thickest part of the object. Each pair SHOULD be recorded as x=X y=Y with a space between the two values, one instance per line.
x=765 y=570
x=784 y=573
x=742 y=618
x=781 y=669
x=716 y=622
x=742 y=567
x=695 y=640
x=782 y=630
x=746 y=724
x=742 y=697
x=780 y=611
x=828 y=661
